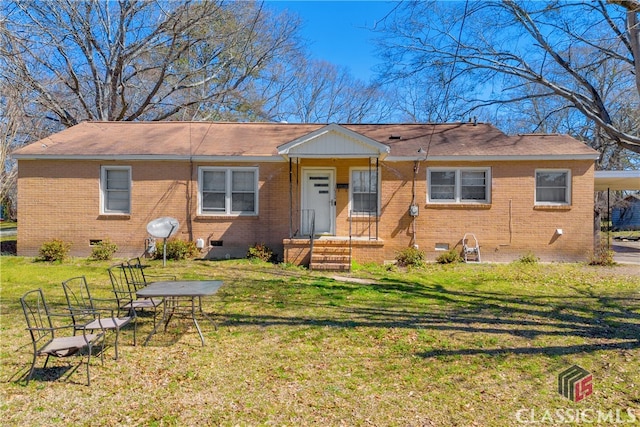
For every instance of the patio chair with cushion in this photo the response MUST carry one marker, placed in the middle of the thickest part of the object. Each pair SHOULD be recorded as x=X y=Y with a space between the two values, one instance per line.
x=125 y=293
x=86 y=314
x=46 y=337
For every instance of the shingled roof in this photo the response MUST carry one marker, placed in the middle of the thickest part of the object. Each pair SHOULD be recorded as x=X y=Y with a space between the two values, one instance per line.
x=176 y=140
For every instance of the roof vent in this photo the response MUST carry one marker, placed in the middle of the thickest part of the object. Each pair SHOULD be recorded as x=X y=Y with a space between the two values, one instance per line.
x=395 y=137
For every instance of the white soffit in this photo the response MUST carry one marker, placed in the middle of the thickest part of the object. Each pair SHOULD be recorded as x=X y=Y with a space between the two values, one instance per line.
x=617 y=180
x=333 y=141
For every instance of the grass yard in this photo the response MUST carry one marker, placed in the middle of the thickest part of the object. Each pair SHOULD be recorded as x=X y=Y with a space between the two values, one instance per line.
x=459 y=345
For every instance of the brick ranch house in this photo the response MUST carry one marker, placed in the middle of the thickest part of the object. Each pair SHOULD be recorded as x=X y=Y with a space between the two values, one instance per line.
x=365 y=191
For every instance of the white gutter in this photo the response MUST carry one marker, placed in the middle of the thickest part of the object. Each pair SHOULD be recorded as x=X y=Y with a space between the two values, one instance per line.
x=496 y=158
x=281 y=158
x=152 y=157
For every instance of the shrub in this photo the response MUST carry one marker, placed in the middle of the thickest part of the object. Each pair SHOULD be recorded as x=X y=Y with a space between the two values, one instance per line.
x=103 y=250
x=528 y=258
x=603 y=257
x=177 y=250
x=449 y=257
x=260 y=251
x=410 y=257
x=54 y=250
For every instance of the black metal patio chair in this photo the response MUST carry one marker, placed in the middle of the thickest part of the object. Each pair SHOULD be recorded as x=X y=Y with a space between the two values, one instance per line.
x=136 y=276
x=86 y=314
x=125 y=293
x=48 y=339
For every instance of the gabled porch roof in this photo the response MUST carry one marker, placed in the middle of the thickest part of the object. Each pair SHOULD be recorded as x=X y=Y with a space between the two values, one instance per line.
x=334 y=140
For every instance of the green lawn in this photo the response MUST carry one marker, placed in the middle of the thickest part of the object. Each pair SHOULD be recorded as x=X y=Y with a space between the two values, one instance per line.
x=443 y=345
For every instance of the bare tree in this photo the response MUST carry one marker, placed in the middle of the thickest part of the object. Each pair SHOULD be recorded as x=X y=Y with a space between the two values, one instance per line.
x=554 y=49
x=139 y=60
x=64 y=61
x=431 y=98
x=17 y=126
x=8 y=138
x=633 y=29
x=537 y=113
x=320 y=92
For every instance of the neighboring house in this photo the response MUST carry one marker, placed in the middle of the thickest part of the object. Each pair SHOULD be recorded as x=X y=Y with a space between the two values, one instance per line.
x=626 y=216
x=369 y=191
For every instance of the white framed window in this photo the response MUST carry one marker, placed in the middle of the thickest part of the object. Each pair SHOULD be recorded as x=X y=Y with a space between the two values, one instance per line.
x=459 y=185
x=228 y=191
x=553 y=187
x=115 y=189
x=364 y=196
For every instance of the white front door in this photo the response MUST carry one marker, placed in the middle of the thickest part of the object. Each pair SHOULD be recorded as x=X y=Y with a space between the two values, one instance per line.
x=318 y=196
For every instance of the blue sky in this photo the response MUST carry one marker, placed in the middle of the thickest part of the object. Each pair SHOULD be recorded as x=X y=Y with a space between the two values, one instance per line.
x=339 y=31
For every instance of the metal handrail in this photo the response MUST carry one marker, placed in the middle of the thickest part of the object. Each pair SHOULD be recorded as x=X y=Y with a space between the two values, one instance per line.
x=350 y=238
x=372 y=220
x=307 y=219
x=312 y=234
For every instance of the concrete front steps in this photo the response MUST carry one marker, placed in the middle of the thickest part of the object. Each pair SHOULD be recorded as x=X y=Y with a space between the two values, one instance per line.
x=330 y=255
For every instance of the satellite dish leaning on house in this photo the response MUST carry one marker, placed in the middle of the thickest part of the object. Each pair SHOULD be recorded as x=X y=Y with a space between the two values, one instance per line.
x=164 y=227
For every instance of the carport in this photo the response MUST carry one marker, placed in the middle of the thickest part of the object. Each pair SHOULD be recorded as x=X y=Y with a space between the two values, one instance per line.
x=616 y=181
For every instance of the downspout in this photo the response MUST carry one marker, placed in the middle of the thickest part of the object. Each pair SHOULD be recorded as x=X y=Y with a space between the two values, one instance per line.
x=190 y=187
x=608 y=219
x=416 y=168
x=290 y=199
x=378 y=180
x=298 y=206
x=369 y=216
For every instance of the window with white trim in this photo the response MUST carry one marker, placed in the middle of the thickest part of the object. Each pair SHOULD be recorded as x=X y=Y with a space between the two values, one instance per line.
x=228 y=191
x=459 y=185
x=364 y=191
x=553 y=187
x=115 y=186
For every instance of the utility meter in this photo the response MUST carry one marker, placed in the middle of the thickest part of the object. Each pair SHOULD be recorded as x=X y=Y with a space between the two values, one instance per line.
x=413 y=210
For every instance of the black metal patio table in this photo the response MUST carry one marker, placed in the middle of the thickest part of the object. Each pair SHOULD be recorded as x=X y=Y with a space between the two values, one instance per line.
x=175 y=290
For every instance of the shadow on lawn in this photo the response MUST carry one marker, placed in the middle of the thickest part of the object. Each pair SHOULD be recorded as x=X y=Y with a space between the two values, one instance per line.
x=48 y=374
x=56 y=369
x=603 y=322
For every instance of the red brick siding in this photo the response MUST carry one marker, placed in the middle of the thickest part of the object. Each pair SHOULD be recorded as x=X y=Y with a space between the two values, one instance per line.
x=509 y=227
x=61 y=199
